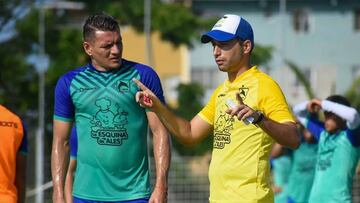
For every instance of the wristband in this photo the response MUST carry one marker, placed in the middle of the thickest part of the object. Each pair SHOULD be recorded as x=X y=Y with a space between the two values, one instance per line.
x=259 y=119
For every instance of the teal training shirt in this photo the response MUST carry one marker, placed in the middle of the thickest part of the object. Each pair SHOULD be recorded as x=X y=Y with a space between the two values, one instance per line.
x=281 y=169
x=337 y=158
x=112 y=158
x=302 y=172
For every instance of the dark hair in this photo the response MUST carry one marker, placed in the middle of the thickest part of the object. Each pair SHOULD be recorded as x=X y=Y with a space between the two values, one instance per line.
x=339 y=99
x=101 y=22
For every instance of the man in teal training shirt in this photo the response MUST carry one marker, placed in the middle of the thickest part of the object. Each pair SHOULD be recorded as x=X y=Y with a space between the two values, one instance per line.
x=302 y=172
x=99 y=97
x=338 y=147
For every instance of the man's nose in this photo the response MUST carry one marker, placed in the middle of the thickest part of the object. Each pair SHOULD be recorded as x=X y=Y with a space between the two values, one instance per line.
x=216 y=50
x=115 y=49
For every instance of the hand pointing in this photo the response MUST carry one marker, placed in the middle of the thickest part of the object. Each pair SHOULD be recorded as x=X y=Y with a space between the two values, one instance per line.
x=145 y=97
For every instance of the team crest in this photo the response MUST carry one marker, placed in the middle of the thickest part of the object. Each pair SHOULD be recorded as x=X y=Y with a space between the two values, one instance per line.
x=243 y=92
x=123 y=86
x=325 y=158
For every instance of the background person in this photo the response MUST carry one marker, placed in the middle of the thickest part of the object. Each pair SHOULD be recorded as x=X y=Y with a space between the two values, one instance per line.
x=281 y=165
x=298 y=172
x=303 y=161
x=13 y=151
x=338 y=149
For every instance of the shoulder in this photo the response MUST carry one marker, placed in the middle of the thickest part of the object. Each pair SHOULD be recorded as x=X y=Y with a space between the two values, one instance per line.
x=10 y=119
x=8 y=114
x=65 y=80
x=71 y=74
x=141 y=68
x=353 y=136
x=147 y=74
x=266 y=80
x=268 y=87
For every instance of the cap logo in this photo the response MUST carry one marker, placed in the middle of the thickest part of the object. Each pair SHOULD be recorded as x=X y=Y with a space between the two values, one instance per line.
x=228 y=24
x=219 y=23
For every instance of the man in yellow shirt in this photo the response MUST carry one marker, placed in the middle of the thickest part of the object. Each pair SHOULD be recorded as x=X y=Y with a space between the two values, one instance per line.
x=245 y=114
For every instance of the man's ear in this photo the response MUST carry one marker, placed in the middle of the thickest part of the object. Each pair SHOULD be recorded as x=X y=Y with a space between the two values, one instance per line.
x=247 y=46
x=87 y=48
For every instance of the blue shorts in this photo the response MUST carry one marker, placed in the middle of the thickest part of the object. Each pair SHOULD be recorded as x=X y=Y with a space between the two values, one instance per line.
x=142 y=200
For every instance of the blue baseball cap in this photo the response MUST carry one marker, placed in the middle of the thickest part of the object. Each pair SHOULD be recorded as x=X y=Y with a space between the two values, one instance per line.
x=230 y=27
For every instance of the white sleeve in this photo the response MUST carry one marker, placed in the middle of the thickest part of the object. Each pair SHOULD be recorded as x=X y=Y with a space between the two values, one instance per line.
x=300 y=112
x=347 y=113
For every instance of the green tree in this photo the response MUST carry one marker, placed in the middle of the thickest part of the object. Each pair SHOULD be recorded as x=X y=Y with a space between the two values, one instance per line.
x=175 y=22
x=353 y=94
x=10 y=10
x=302 y=78
x=63 y=43
x=18 y=79
x=261 y=54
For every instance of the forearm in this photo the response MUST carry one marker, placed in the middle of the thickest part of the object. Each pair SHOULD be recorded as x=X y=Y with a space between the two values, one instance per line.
x=69 y=181
x=162 y=156
x=20 y=180
x=161 y=143
x=59 y=165
x=301 y=112
x=347 y=113
x=284 y=134
x=178 y=127
x=68 y=189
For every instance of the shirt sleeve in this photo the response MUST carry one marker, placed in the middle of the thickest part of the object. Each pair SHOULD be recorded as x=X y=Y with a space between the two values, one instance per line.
x=63 y=107
x=300 y=112
x=315 y=126
x=73 y=143
x=273 y=103
x=354 y=136
x=350 y=115
x=347 y=113
x=24 y=142
x=151 y=80
x=309 y=121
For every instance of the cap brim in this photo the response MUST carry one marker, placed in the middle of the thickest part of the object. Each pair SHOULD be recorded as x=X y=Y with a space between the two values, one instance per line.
x=217 y=35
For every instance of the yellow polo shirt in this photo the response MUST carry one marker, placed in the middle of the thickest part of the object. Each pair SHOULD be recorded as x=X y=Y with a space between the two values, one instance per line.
x=240 y=169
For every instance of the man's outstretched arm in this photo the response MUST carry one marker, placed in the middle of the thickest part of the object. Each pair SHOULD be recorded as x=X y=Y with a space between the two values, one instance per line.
x=283 y=133
x=186 y=132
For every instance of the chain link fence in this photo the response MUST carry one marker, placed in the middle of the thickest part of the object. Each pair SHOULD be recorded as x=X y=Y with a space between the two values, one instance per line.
x=188 y=181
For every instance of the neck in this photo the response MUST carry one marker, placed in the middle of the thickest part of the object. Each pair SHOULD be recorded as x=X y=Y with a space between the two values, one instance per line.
x=102 y=68
x=233 y=75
